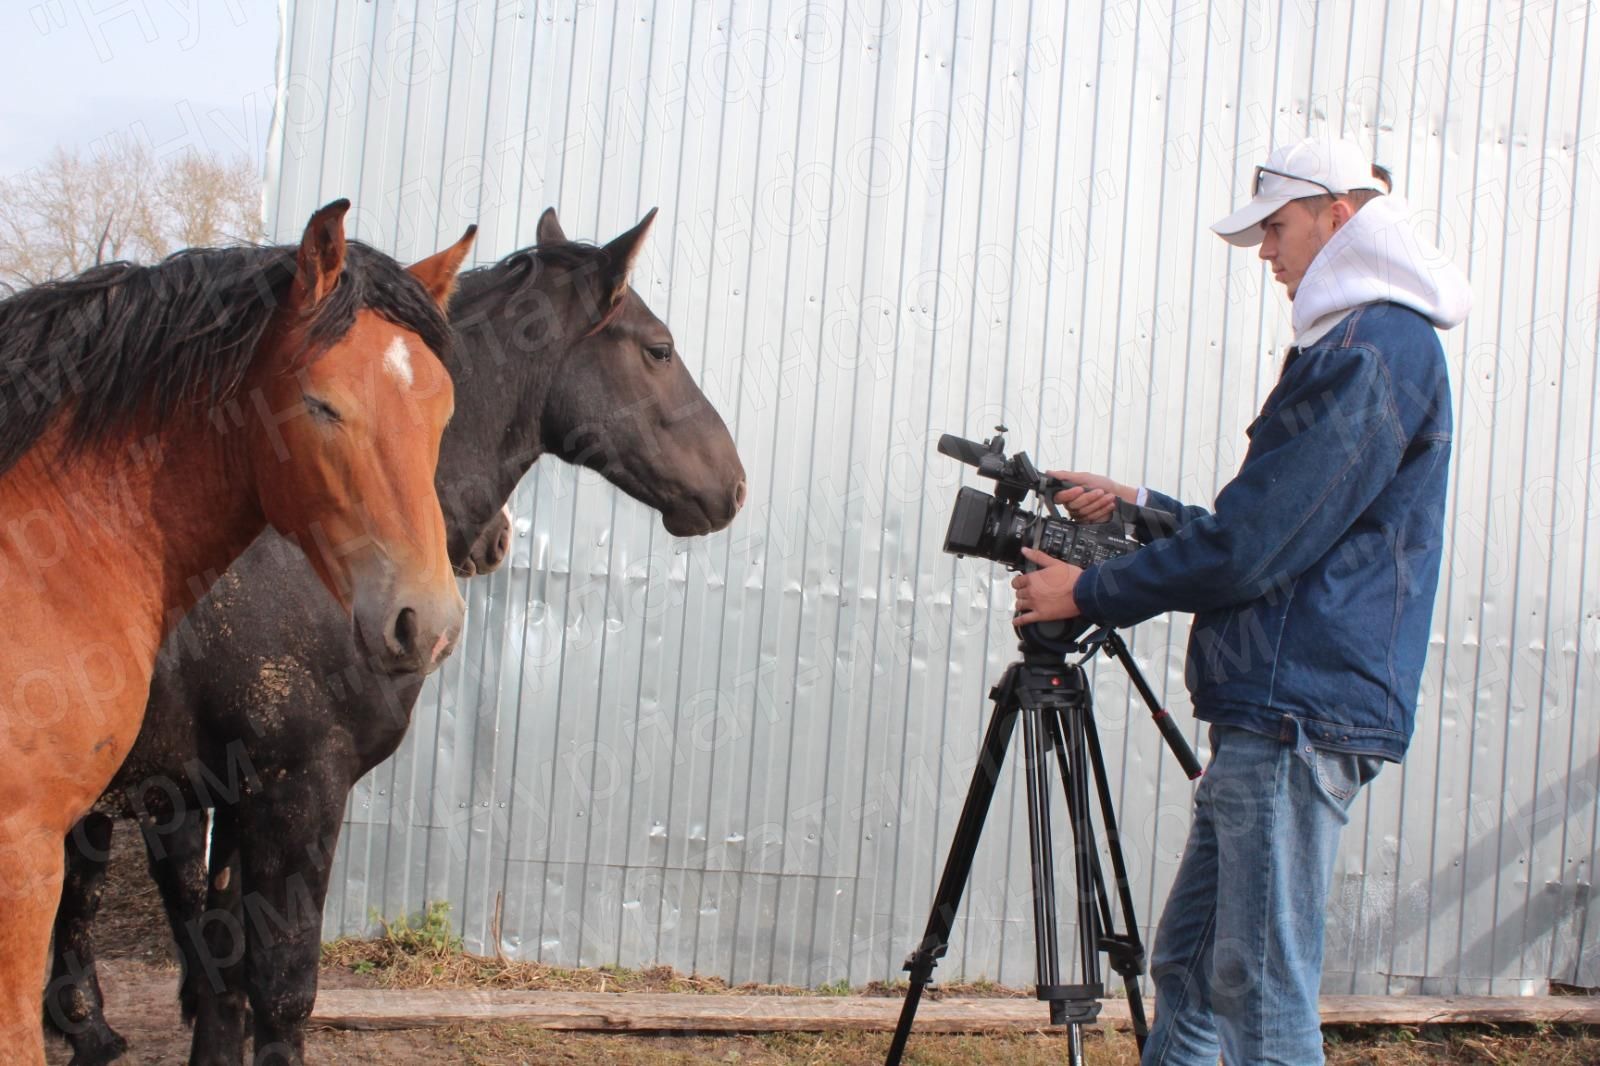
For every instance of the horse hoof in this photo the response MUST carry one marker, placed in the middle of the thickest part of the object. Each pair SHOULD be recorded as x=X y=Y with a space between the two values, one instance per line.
x=108 y=1048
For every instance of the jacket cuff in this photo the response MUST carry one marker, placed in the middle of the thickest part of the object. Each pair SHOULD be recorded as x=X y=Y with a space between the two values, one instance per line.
x=1162 y=502
x=1086 y=593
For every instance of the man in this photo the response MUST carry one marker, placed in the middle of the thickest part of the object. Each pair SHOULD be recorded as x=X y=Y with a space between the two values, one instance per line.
x=1312 y=585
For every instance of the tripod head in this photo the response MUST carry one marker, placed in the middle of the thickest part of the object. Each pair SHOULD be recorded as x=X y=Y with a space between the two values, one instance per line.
x=1046 y=658
x=1061 y=638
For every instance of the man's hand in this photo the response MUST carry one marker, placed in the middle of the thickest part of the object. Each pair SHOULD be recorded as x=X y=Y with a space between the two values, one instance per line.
x=1092 y=497
x=1045 y=594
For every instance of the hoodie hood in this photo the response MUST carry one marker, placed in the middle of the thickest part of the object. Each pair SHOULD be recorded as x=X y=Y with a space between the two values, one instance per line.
x=1379 y=257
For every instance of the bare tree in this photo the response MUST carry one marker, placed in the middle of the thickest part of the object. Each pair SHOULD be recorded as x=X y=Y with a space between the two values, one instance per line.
x=120 y=202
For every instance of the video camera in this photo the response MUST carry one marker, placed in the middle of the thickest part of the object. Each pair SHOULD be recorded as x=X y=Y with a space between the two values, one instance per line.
x=998 y=527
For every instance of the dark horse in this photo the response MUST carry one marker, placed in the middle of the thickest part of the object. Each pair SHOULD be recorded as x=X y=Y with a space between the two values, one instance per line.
x=153 y=421
x=265 y=711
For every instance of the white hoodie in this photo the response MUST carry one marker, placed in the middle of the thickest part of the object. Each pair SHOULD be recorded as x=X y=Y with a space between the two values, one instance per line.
x=1378 y=256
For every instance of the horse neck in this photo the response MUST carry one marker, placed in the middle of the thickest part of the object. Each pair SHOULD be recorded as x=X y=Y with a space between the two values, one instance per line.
x=161 y=515
x=209 y=504
x=500 y=425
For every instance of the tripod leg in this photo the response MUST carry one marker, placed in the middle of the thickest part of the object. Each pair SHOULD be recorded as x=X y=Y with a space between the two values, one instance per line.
x=1074 y=1005
x=1041 y=856
x=958 y=864
x=1094 y=908
x=1086 y=856
x=1125 y=950
x=1077 y=1005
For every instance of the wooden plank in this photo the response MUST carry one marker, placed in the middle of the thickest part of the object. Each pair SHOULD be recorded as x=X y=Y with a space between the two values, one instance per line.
x=1459 y=1010
x=683 y=1012
x=668 y=1011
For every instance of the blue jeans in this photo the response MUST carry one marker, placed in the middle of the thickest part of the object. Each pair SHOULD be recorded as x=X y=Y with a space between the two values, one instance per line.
x=1237 y=962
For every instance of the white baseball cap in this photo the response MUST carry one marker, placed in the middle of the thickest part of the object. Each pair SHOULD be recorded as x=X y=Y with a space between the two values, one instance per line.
x=1316 y=166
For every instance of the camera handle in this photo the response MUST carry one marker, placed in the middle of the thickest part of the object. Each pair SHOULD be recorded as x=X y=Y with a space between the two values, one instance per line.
x=1053 y=700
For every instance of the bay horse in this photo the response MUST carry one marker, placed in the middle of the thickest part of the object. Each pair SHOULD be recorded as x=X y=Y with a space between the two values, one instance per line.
x=267 y=712
x=153 y=420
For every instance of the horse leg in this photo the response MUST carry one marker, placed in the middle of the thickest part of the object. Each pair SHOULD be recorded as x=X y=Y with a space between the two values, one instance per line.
x=214 y=949
x=73 y=1005
x=287 y=843
x=177 y=855
x=31 y=873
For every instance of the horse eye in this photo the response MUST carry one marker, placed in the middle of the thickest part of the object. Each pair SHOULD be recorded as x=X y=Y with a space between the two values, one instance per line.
x=660 y=352
x=322 y=409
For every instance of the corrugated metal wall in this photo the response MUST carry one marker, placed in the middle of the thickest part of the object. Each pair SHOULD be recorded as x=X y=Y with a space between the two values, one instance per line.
x=744 y=755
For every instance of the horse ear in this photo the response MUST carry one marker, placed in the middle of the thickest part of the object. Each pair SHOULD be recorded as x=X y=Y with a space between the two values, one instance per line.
x=620 y=256
x=549 y=228
x=439 y=271
x=320 y=259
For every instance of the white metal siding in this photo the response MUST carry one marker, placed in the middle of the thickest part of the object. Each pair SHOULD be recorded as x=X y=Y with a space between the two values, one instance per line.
x=744 y=755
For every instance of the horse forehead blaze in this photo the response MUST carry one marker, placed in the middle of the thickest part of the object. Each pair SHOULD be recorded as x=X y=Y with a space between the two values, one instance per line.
x=390 y=373
x=397 y=361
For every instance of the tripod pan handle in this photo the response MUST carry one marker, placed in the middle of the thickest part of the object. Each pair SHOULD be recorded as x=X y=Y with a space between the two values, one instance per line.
x=1175 y=741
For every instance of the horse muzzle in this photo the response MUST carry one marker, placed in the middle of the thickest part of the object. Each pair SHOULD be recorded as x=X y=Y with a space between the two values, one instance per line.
x=412 y=632
x=706 y=512
x=489 y=551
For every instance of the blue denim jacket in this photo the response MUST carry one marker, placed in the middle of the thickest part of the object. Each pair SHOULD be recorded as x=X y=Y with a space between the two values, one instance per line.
x=1312 y=582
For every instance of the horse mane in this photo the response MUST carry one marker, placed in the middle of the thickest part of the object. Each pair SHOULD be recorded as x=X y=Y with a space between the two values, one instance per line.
x=121 y=342
x=521 y=270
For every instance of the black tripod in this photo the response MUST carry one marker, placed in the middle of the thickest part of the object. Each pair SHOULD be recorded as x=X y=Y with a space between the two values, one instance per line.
x=1052 y=697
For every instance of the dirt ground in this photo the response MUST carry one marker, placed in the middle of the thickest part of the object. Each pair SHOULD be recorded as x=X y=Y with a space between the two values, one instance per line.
x=140 y=982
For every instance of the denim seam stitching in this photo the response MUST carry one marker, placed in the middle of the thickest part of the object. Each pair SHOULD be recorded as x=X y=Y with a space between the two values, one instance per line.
x=1190 y=982
x=1277 y=646
x=1394 y=635
x=1318 y=758
x=1281 y=771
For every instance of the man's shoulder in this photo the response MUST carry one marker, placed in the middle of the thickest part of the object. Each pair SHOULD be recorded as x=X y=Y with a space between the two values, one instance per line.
x=1374 y=324
x=1390 y=339
x=1396 y=350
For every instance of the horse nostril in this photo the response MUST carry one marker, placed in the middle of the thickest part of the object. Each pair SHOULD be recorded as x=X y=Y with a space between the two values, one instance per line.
x=405 y=631
x=502 y=544
x=738 y=494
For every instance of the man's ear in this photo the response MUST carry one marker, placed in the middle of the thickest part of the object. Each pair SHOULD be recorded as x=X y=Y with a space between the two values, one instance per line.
x=1341 y=212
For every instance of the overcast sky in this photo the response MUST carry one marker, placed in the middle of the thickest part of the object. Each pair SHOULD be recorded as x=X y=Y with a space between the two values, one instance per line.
x=175 y=73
